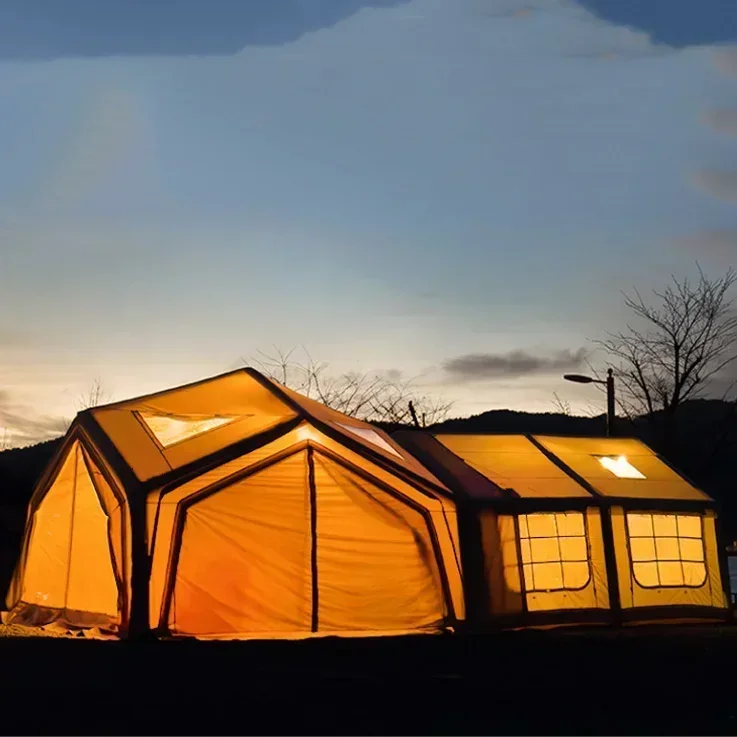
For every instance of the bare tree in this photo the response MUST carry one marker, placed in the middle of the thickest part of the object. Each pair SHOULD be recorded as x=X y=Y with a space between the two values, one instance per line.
x=687 y=338
x=93 y=397
x=369 y=396
x=562 y=407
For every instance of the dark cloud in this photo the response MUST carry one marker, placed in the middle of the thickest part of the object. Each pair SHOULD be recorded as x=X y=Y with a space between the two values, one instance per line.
x=39 y=29
x=723 y=120
x=677 y=23
x=20 y=425
x=719 y=184
x=721 y=244
x=478 y=366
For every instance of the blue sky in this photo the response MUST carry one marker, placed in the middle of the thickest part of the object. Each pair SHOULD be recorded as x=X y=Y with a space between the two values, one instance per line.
x=394 y=185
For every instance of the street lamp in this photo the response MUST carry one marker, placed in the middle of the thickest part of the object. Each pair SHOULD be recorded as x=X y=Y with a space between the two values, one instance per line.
x=609 y=384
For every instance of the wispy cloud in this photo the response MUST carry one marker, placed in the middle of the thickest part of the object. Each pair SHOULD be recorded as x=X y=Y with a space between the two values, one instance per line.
x=480 y=366
x=720 y=184
x=21 y=425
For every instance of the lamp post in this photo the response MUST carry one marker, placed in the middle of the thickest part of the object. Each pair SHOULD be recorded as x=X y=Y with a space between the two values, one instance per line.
x=609 y=384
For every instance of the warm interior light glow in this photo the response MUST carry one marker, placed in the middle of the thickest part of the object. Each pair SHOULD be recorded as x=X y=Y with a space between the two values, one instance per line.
x=620 y=467
x=169 y=430
x=305 y=432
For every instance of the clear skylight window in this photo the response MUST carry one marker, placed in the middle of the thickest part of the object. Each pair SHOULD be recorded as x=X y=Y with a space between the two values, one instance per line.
x=169 y=430
x=371 y=435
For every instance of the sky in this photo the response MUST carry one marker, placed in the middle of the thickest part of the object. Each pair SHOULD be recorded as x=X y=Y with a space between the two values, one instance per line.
x=457 y=190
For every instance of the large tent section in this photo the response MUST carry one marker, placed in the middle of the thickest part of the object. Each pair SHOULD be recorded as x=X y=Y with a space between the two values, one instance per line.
x=664 y=529
x=576 y=530
x=299 y=538
x=74 y=569
x=531 y=536
x=234 y=508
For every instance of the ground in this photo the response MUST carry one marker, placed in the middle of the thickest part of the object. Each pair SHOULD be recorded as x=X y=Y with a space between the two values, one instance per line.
x=664 y=680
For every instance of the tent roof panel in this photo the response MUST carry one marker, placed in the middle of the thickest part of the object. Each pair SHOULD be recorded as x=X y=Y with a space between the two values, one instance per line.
x=161 y=432
x=513 y=462
x=368 y=436
x=632 y=471
x=448 y=467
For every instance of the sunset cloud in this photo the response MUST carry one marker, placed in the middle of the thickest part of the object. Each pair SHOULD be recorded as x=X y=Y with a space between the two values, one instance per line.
x=719 y=184
x=22 y=425
x=725 y=60
x=722 y=120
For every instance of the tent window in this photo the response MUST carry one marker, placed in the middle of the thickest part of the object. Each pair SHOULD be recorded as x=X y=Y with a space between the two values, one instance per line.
x=620 y=467
x=555 y=552
x=169 y=430
x=370 y=435
x=667 y=550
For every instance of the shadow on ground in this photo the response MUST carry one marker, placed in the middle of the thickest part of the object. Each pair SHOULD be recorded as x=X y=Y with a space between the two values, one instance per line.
x=645 y=681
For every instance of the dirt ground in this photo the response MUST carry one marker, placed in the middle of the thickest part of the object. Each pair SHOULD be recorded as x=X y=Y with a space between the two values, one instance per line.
x=671 y=680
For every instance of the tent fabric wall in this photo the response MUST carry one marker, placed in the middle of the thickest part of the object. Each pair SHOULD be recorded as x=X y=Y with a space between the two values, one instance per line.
x=531 y=556
x=373 y=568
x=245 y=556
x=165 y=509
x=258 y=513
x=73 y=567
x=666 y=550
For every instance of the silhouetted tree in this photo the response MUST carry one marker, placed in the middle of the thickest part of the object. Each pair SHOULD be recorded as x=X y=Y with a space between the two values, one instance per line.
x=94 y=397
x=686 y=338
x=562 y=406
x=371 y=396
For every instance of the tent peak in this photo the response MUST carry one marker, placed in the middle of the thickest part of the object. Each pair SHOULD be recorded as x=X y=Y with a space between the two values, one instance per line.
x=253 y=373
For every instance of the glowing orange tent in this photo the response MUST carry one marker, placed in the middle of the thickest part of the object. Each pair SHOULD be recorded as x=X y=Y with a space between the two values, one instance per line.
x=236 y=508
x=559 y=530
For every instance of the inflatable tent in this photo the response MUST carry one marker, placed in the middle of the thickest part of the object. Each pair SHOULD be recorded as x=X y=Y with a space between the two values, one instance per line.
x=236 y=508
x=561 y=530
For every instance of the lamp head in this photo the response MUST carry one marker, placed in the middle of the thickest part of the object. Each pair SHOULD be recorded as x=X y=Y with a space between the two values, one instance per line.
x=578 y=378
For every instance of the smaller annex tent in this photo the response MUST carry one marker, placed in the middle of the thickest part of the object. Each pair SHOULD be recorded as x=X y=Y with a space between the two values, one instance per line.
x=576 y=530
x=236 y=508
